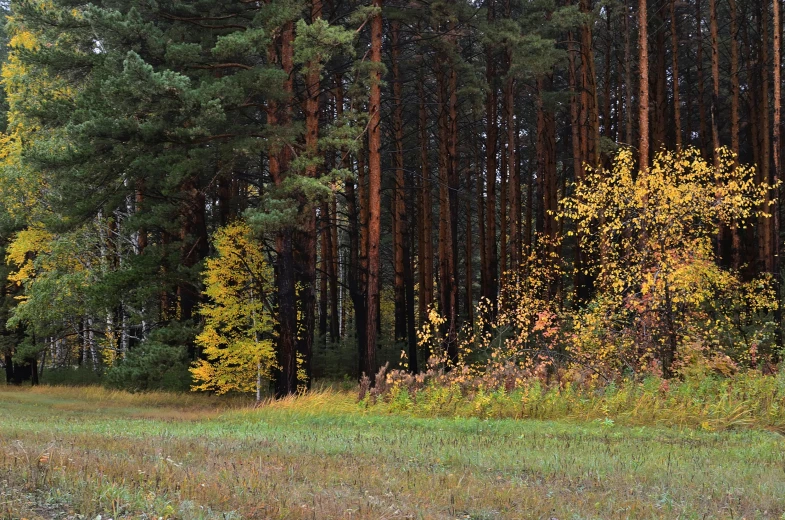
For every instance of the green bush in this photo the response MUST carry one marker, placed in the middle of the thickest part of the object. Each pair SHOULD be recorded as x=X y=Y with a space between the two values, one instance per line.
x=71 y=376
x=159 y=363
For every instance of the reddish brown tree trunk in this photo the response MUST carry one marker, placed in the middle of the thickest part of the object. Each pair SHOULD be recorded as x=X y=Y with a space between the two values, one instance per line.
x=426 y=207
x=374 y=192
x=324 y=257
x=702 y=129
x=590 y=122
x=715 y=107
x=777 y=147
x=279 y=115
x=447 y=285
x=579 y=279
x=546 y=162
x=643 y=109
x=332 y=275
x=659 y=115
x=491 y=135
x=503 y=216
x=752 y=59
x=514 y=182
x=306 y=239
x=734 y=116
x=454 y=185
x=627 y=77
x=734 y=78
x=398 y=204
x=469 y=249
x=767 y=228
x=715 y=78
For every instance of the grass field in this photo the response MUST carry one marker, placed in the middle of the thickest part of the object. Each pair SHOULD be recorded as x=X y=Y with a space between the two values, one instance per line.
x=77 y=453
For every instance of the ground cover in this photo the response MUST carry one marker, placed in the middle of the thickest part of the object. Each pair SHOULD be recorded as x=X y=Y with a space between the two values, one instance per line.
x=75 y=452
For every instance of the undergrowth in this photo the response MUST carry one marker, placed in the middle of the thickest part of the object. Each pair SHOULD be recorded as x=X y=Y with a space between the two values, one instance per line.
x=710 y=402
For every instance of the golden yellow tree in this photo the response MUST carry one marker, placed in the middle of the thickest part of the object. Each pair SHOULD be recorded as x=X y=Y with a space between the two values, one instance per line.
x=237 y=340
x=651 y=239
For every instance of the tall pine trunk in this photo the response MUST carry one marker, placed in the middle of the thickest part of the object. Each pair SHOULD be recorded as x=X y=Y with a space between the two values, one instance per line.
x=777 y=151
x=715 y=80
x=305 y=247
x=643 y=108
x=715 y=101
x=659 y=106
x=490 y=290
x=279 y=116
x=702 y=129
x=447 y=285
x=514 y=182
x=590 y=121
x=627 y=77
x=469 y=247
x=374 y=192
x=399 y=225
x=675 y=74
x=766 y=228
x=426 y=206
x=579 y=278
x=734 y=119
x=546 y=163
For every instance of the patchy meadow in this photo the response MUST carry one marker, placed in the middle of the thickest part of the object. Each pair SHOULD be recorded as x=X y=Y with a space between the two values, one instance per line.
x=78 y=453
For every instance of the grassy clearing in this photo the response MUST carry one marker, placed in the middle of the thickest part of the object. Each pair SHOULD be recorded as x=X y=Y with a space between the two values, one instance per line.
x=68 y=452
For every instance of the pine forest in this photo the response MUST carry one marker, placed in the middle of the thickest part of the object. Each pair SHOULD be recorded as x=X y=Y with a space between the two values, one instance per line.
x=250 y=196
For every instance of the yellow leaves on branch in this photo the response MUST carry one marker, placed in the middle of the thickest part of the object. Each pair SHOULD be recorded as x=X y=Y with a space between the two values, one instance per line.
x=639 y=224
x=660 y=301
x=23 y=249
x=237 y=340
x=649 y=240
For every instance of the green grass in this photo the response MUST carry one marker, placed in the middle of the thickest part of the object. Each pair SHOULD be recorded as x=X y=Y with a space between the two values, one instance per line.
x=709 y=402
x=69 y=451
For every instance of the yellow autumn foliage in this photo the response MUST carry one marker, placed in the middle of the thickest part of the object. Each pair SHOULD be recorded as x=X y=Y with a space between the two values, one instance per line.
x=22 y=250
x=237 y=341
x=27 y=88
x=650 y=240
x=661 y=302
